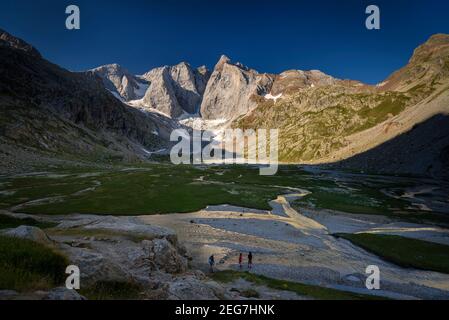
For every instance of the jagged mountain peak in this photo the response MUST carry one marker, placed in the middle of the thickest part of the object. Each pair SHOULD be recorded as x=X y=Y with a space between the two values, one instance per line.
x=429 y=63
x=221 y=62
x=230 y=90
x=225 y=60
x=112 y=67
x=120 y=81
x=203 y=70
x=437 y=44
x=175 y=90
x=184 y=64
x=441 y=38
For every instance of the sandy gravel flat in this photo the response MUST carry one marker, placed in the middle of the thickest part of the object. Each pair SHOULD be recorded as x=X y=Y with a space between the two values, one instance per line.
x=299 y=246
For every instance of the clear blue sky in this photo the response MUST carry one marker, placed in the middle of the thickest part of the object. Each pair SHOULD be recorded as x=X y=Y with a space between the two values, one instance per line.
x=269 y=36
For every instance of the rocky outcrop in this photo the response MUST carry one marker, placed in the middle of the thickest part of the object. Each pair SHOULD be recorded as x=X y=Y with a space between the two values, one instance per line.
x=189 y=287
x=429 y=64
x=111 y=249
x=171 y=90
x=165 y=255
x=121 y=82
x=175 y=90
x=230 y=89
x=294 y=80
x=126 y=250
x=30 y=233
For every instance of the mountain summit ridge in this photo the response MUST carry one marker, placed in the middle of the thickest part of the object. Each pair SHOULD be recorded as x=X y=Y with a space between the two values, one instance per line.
x=321 y=119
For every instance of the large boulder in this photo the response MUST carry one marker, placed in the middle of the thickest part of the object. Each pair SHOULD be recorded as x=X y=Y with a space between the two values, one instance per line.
x=165 y=256
x=95 y=265
x=29 y=233
x=189 y=287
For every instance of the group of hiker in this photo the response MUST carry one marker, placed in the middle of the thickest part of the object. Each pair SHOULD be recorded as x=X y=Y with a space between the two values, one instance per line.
x=250 y=261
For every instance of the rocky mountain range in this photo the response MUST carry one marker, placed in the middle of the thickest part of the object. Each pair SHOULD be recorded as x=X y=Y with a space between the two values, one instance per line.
x=121 y=82
x=171 y=90
x=110 y=112
x=334 y=120
x=47 y=110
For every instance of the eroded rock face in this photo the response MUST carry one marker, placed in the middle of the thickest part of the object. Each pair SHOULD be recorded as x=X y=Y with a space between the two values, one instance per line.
x=175 y=90
x=96 y=265
x=166 y=256
x=123 y=249
x=120 y=81
x=230 y=89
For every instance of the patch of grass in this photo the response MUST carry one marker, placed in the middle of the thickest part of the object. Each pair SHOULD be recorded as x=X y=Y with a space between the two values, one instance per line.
x=312 y=291
x=405 y=252
x=344 y=202
x=12 y=222
x=23 y=189
x=165 y=188
x=112 y=290
x=27 y=266
x=160 y=189
x=313 y=124
x=366 y=196
x=391 y=105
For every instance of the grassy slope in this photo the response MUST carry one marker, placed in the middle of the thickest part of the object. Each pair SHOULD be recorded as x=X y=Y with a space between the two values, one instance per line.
x=301 y=289
x=113 y=290
x=406 y=252
x=310 y=133
x=11 y=222
x=29 y=266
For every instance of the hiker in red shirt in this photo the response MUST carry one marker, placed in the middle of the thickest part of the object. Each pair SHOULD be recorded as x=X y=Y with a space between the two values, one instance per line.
x=240 y=260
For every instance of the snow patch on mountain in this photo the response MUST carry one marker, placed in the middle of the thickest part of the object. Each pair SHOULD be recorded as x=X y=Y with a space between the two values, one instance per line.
x=269 y=96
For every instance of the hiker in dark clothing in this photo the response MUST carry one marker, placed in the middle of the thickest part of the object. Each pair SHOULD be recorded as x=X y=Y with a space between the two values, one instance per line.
x=211 y=263
x=240 y=260
x=250 y=260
